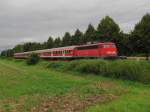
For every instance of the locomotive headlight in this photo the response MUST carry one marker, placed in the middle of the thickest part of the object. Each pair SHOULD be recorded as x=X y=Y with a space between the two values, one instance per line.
x=113 y=52
x=109 y=52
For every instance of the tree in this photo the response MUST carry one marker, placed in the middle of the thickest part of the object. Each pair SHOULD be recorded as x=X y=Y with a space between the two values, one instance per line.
x=141 y=36
x=50 y=43
x=122 y=42
x=3 y=53
x=77 y=37
x=7 y=53
x=89 y=35
x=107 y=29
x=18 y=48
x=66 y=40
x=44 y=45
x=57 y=42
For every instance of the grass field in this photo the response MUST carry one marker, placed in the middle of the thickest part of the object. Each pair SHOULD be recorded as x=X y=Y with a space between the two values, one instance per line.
x=40 y=89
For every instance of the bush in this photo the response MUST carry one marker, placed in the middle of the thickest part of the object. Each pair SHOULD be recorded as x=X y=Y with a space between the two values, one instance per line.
x=57 y=64
x=88 y=66
x=123 y=69
x=33 y=59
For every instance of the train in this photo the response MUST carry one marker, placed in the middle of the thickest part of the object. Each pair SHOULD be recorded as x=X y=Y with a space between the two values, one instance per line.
x=90 y=50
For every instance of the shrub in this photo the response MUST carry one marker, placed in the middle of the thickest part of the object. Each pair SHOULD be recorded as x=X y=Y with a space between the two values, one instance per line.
x=126 y=70
x=89 y=66
x=123 y=69
x=33 y=59
x=57 y=64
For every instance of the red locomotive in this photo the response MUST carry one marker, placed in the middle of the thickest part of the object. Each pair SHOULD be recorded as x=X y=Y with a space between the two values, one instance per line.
x=96 y=50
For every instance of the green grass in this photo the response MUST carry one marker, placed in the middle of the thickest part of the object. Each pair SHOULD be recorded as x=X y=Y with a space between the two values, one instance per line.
x=127 y=103
x=137 y=99
x=33 y=88
x=18 y=79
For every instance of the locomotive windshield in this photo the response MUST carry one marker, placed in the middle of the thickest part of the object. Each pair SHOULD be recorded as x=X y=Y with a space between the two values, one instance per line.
x=109 y=46
x=106 y=46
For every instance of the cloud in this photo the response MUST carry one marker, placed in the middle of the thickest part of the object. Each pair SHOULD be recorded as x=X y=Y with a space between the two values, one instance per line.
x=35 y=20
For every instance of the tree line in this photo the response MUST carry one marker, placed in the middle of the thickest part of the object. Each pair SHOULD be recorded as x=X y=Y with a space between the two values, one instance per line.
x=133 y=43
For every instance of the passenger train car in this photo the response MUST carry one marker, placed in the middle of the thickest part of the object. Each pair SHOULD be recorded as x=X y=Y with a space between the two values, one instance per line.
x=96 y=50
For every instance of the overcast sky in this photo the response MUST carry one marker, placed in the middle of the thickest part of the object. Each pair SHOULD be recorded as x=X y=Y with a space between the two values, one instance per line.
x=36 y=20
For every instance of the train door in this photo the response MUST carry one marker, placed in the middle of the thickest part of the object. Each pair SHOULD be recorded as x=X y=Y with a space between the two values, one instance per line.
x=63 y=53
x=100 y=50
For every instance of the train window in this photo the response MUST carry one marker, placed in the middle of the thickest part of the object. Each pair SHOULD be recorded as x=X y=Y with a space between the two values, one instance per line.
x=106 y=46
x=60 y=52
x=63 y=52
x=54 y=52
x=67 y=51
x=88 y=47
x=57 y=52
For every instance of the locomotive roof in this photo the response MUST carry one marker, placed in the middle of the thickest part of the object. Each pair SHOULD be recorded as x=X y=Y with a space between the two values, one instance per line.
x=95 y=44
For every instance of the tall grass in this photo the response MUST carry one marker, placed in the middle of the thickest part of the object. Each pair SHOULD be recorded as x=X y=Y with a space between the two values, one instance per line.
x=123 y=69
